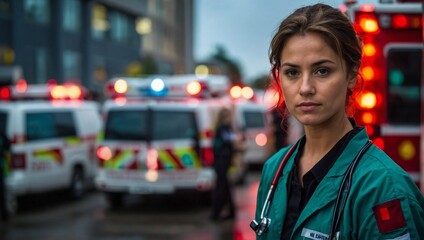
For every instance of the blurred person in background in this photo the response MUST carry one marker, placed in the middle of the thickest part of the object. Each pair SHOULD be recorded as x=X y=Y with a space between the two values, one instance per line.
x=333 y=183
x=224 y=148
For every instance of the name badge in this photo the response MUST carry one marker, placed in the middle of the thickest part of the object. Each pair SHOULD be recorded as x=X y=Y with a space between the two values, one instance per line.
x=311 y=234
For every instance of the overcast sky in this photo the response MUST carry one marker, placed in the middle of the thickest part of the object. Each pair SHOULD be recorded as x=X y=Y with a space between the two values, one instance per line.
x=244 y=28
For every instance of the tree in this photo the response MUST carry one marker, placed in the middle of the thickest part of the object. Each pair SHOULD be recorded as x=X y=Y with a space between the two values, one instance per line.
x=228 y=66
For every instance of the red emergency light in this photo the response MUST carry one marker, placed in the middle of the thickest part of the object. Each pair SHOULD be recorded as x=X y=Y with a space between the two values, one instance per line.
x=406 y=21
x=241 y=92
x=22 y=91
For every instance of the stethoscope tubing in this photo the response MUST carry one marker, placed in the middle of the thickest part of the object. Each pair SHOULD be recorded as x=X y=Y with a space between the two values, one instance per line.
x=274 y=183
x=344 y=187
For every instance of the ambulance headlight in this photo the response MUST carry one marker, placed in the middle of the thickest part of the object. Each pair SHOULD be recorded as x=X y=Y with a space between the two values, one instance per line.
x=157 y=87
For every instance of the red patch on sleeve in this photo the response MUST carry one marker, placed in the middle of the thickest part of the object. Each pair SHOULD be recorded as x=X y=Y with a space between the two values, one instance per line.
x=389 y=216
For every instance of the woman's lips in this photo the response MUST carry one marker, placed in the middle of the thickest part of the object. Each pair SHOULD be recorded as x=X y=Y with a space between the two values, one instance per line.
x=308 y=106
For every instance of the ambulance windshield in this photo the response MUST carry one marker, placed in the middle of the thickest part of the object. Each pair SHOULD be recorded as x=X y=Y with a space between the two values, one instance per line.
x=173 y=125
x=126 y=125
x=254 y=119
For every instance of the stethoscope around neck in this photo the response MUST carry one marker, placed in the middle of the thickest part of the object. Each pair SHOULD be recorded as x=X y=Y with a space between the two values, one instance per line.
x=262 y=226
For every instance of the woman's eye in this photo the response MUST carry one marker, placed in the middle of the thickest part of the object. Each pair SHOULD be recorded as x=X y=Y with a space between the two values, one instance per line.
x=291 y=73
x=322 y=71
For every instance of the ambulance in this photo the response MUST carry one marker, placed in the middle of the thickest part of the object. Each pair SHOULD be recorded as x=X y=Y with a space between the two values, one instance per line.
x=158 y=135
x=253 y=119
x=389 y=104
x=52 y=132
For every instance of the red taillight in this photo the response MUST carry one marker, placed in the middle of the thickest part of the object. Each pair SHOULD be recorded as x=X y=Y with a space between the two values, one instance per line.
x=104 y=153
x=152 y=159
x=261 y=139
x=21 y=86
x=207 y=156
x=5 y=93
x=18 y=161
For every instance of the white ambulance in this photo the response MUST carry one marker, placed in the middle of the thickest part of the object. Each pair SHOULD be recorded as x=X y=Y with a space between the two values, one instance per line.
x=52 y=132
x=158 y=133
x=253 y=120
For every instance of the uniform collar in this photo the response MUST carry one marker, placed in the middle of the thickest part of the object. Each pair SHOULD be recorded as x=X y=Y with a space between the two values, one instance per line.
x=327 y=190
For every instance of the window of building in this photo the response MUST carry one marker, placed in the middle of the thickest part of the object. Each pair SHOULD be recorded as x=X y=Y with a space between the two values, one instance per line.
x=122 y=27
x=5 y=8
x=37 y=11
x=99 y=22
x=41 y=65
x=72 y=15
x=71 y=65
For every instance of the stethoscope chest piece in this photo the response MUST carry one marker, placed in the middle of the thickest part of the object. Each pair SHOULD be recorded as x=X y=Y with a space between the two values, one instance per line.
x=261 y=227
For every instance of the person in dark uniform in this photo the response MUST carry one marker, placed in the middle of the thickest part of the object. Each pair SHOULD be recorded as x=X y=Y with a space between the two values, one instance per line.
x=4 y=151
x=223 y=149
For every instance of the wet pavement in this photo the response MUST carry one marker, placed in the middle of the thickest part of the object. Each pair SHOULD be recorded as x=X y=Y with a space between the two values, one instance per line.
x=51 y=217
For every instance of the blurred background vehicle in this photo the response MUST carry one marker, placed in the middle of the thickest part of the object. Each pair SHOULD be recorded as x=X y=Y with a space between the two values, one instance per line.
x=52 y=131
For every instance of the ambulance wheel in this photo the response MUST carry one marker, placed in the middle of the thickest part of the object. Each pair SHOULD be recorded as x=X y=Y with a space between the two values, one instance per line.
x=77 y=189
x=116 y=200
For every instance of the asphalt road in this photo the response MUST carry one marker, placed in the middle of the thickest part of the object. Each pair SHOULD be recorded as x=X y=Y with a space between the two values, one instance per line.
x=181 y=217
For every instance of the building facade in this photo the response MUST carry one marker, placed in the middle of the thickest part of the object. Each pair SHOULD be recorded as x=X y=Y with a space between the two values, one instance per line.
x=89 y=41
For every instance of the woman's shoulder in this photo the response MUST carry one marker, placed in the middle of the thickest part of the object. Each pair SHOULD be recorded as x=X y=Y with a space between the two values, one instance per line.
x=377 y=173
x=274 y=160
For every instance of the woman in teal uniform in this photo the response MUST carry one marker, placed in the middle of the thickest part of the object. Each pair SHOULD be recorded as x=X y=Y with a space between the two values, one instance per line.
x=333 y=183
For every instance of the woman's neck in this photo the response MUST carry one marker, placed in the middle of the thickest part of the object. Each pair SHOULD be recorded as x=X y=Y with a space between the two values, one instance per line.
x=323 y=138
x=320 y=140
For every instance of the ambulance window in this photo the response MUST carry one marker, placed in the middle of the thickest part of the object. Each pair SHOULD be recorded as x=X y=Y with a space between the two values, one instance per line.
x=403 y=83
x=254 y=119
x=45 y=125
x=173 y=125
x=126 y=125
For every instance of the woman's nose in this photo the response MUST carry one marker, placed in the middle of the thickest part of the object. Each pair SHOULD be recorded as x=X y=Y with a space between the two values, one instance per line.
x=307 y=86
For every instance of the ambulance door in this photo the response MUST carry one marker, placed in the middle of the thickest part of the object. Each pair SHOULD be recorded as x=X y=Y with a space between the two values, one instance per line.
x=402 y=131
x=50 y=138
x=126 y=135
x=175 y=137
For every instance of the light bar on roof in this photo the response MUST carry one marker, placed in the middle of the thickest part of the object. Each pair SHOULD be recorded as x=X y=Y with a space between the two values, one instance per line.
x=174 y=86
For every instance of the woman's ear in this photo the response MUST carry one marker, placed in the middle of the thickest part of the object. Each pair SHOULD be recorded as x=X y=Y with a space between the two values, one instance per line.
x=353 y=77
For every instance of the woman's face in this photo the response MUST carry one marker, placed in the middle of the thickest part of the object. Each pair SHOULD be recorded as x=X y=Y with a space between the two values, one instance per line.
x=314 y=80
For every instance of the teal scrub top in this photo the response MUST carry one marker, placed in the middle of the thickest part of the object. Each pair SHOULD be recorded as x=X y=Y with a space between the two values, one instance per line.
x=383 y=202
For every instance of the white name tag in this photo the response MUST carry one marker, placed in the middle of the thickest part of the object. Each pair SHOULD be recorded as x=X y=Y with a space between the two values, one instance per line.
x=403 y=237
x=311 y=234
